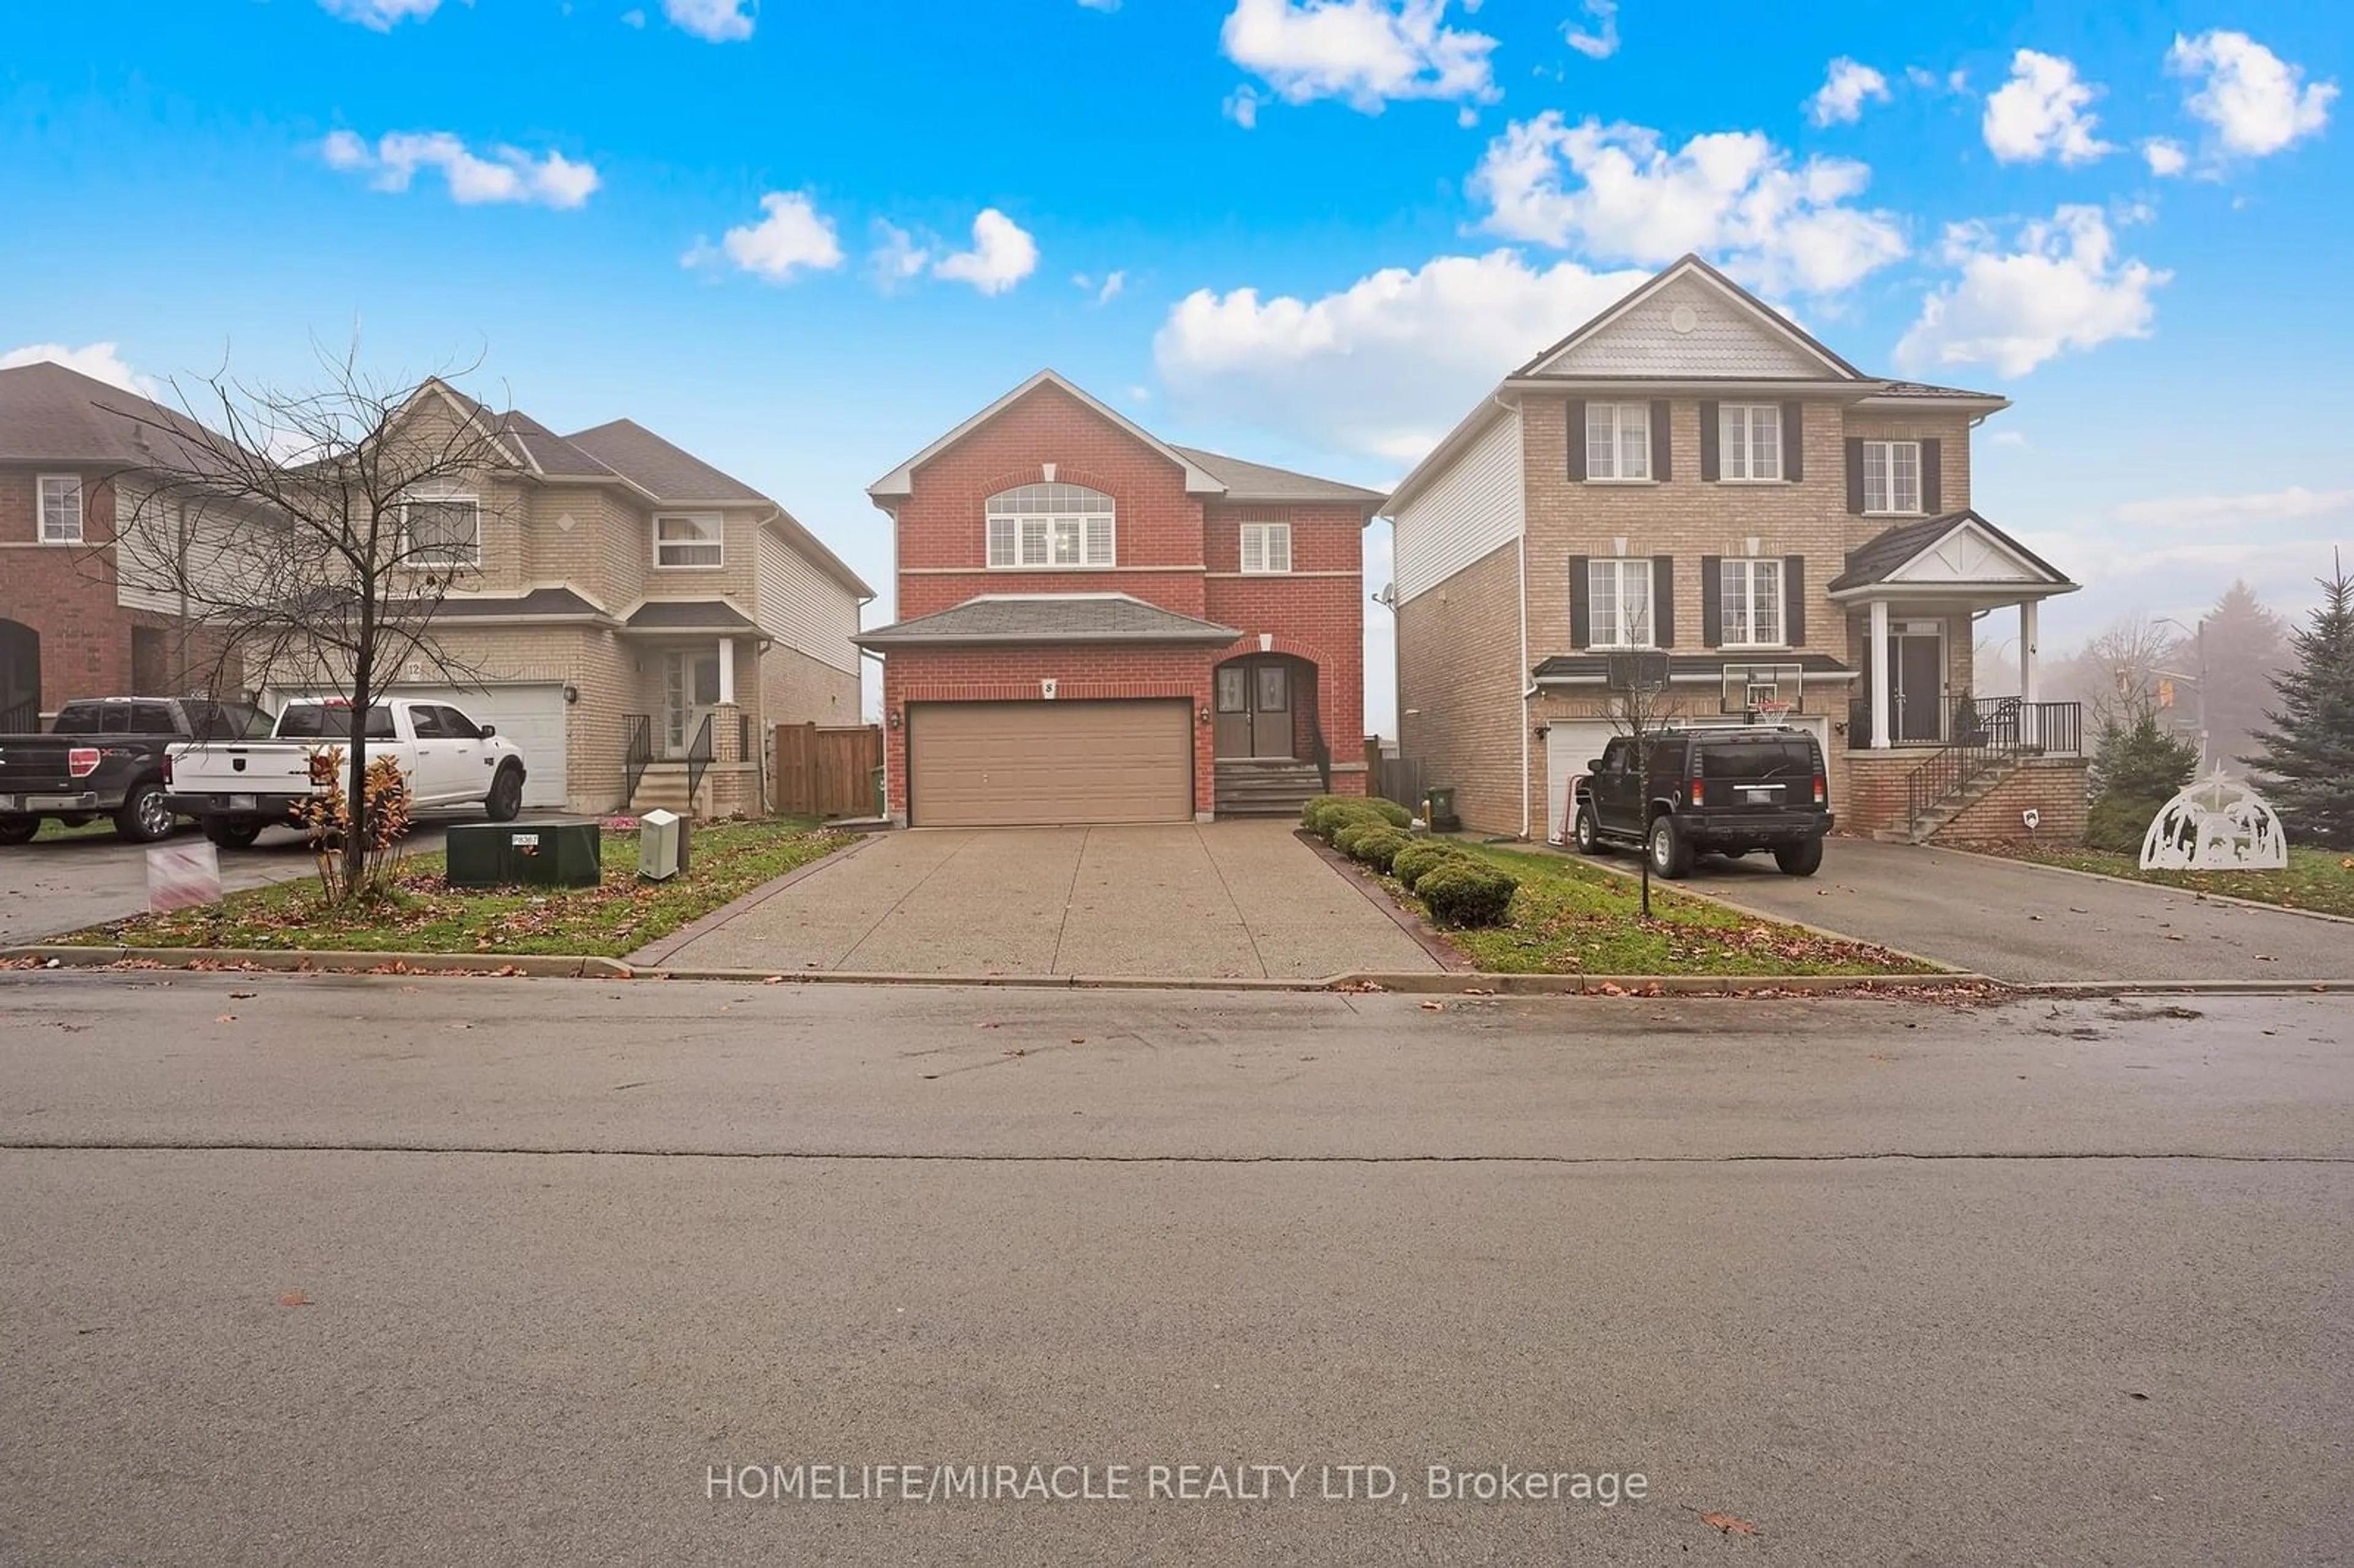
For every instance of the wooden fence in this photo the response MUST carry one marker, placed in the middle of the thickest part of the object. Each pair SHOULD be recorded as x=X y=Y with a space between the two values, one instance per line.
x=826 y=772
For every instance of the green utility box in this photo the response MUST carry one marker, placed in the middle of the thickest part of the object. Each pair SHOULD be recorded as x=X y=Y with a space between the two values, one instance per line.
x=532 y=854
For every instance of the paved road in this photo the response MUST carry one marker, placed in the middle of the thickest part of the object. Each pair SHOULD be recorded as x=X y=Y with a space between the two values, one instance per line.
x=1217 y=901
x=1890 y=1282
x=2032 y=923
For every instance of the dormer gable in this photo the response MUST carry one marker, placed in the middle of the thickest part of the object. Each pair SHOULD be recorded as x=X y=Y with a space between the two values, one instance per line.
x=1691 y=322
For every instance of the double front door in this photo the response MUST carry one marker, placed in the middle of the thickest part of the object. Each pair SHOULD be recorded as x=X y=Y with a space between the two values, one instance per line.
x=1916 y=683
x=1255 y=702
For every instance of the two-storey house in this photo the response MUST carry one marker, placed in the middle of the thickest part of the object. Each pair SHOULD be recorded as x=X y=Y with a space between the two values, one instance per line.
x=1097 y=626
x=1690 y=475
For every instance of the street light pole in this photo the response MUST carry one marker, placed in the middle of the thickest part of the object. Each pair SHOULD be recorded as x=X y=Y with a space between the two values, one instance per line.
x=2199 y=648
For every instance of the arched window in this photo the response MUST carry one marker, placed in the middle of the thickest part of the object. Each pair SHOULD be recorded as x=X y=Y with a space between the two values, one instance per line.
x=1051 y=525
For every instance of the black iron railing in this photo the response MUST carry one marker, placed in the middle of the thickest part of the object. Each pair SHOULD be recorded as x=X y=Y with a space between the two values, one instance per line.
x=698 y=759
x=640 y=755
x=2053 y=729
x=1991 y=734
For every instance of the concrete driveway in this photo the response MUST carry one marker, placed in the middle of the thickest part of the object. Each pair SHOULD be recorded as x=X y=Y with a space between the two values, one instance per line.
x=2032 y=923
x=1218 y=901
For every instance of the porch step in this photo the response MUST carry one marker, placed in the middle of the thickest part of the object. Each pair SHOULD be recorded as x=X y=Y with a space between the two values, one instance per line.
x=663 y=788
x=1275 y=787
x=1920 y=829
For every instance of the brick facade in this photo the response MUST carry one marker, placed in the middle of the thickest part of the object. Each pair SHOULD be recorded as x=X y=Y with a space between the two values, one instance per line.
x=2056 y=788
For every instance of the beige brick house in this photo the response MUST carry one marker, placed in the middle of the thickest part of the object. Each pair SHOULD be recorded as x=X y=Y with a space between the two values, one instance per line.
x=1690 y=473
x=628 y=614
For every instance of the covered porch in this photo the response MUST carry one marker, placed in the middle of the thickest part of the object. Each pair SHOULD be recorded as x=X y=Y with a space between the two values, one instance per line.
x=1267 y=729
x=694 y=732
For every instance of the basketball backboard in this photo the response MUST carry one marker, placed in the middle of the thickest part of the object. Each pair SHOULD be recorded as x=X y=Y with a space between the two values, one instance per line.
x=1757 y=688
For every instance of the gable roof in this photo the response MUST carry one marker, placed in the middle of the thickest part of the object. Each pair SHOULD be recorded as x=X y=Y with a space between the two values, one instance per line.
x=1691 y=266
x=900 y=481
x=1881 y=558
x=51 y=413
x=1048 y=617
x=688 y=615
x=664 y=471
x=1257 y=481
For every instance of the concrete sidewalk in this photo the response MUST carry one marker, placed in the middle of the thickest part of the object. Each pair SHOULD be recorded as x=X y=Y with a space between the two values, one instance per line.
x=1223 y=900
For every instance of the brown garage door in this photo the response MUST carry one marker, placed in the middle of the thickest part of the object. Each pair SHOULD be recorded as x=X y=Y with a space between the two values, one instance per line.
x=975 y=765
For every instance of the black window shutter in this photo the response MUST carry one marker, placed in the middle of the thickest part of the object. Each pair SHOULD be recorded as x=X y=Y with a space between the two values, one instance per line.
x=1662 y=455
x=1581 y=606
x=1663 y=601
x=1794 y=599
x=1855 y=474
x=1712 y=600
x=1933 y=478
x=1794 y=441
x=1577 y=407
x=1711 y=431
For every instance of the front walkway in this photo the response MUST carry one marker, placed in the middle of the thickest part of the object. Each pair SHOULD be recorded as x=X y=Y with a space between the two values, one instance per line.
x=1228 y=900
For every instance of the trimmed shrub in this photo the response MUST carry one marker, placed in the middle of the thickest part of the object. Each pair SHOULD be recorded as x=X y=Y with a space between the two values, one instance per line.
x=1467 y=891
x=2119 y=823
x=1378 y=846
x=1309 y=808
x=1331 y=818
x=1346 y=836
x=1419 y=856
x=1392 y=813
x=1389 y=812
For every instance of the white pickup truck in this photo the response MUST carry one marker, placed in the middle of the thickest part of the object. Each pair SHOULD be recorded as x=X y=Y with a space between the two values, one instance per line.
x=237 y=787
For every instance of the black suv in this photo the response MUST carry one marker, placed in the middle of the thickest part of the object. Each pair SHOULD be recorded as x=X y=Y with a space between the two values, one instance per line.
x=1713 y=792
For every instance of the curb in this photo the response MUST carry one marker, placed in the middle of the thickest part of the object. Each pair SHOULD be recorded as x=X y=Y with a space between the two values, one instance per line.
x=656 y=951
x=2191 y=893
x=537 y=966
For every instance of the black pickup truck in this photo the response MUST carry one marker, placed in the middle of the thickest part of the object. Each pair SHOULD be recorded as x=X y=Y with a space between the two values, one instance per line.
x=104 y=757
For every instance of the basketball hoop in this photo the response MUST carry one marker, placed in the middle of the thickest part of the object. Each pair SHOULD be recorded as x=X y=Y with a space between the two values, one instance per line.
x=1772 y=711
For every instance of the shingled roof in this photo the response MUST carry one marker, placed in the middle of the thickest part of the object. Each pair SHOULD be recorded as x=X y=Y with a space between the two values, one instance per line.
x=1881 y=556
x=50 y=413
x=1257 y=481
x=1048 y=617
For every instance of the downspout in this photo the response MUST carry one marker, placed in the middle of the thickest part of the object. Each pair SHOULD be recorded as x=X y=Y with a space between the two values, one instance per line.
x=1528 y=686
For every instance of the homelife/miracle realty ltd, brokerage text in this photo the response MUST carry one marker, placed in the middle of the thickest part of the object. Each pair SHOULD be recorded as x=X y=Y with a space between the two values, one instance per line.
x=1061 y=1482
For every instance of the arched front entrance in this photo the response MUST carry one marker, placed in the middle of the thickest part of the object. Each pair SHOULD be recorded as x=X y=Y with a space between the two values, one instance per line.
x=1265 y=707
x=20 y=678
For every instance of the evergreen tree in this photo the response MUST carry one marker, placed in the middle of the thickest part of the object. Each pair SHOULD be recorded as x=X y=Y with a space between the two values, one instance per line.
x=2241 y=647
x=2305 y=761
x=2136 y=768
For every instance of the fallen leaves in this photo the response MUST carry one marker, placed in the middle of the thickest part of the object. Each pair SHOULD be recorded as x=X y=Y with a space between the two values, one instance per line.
x=294 y=1298
x=1728 y=1525
x=241 y=996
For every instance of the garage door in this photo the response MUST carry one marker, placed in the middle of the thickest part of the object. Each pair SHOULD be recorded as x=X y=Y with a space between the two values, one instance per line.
x=1571 y=744
x=530 y=715
x=973 y=765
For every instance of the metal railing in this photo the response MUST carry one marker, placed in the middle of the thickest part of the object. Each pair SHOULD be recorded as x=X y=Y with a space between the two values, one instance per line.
x=639 y=755
x=698 y=759
x=1990 y=734
x=2053 y=729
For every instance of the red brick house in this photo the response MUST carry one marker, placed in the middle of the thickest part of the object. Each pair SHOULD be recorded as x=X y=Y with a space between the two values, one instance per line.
x=1097 y=626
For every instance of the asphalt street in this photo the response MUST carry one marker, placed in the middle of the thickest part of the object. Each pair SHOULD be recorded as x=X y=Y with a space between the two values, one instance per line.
x=514 y=1272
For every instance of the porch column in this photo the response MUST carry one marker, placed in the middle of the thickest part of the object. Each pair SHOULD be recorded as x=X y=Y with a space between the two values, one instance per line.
x=2031 y=727
x=1880 y=675
x=728 y=671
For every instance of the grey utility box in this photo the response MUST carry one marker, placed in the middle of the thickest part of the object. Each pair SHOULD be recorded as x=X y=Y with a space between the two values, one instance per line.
x=662 y=845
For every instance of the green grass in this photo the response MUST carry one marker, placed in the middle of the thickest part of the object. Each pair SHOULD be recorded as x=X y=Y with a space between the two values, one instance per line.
x=2315 y=879
x=1569 y=917
x=421 y=915
x=52 y=830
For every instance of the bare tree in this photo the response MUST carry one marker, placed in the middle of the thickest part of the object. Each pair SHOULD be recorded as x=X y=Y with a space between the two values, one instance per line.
x=2115 y=673
x=1638 y=707
x=314 y=532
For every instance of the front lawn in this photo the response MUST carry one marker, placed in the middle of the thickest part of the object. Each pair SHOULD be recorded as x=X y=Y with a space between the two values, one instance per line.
x=51 y=831
x=2315 y=879
x=421 y=915
x=1569 y=917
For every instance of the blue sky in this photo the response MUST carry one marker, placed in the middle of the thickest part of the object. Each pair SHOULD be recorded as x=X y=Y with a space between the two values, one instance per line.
x=803 y=239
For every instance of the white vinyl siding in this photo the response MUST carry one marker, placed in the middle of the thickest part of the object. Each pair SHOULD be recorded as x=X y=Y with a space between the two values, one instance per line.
x=61 y=509
x=1267 y=547
x=1722 y=341
x=690 y=539
x=804 y=608
x=1749 y=442
x=1464 y=514
x=1892 y=476
x=1617 y=440
x=1619 y=601
x=1752 y=604
x=1051 y=525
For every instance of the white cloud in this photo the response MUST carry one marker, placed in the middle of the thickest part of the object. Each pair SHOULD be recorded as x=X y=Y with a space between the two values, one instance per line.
x=1385 y=367
x=1002 y=254
x=2257 y=102
x=507 y=175
x=1599 y=44
x=1366 y=53
x=1847 y=86
x=1241 y=108
x=380 y=15
x=98 y=360
x=2039 y=113
x=2062 y=288
x=897 y=256
x=634 y=18
x=2009 y=439
x=1955 y=82
x=1614 y=193
x=2165 y=158
x=2232 y=511
x=1101 y=5
x=792 y=237
x=716 y=21
x=1104 y=291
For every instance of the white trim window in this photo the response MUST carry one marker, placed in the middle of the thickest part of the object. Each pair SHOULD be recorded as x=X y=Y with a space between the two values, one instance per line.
x=1267 y=547
x=1054 y=527
x=441 y=531
x=60 y=508
x=690 y=539
x=1892 y=477
x=1750 y=610
x=1749 y=442
x=1619 y=601
x=1618 y=440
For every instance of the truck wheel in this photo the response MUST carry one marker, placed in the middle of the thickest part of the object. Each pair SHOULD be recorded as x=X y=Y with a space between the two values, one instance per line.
x=506 y=795
x=145 y=818
x=1671 y=852
x=1585 y=832
x=18 y=830
x=233 y=835
x=1801 y=859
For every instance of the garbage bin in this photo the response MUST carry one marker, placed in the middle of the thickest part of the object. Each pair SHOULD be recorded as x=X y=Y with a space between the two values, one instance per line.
x=882 y=799
x=1439 y=809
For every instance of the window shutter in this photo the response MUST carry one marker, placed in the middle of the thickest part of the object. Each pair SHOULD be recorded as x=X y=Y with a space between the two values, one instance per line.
x=1581 y=607
x=1663 y=601
x=1794 y=441
x=1933 y=499
x=1577 y=407
x=1662 y=457
x=1711 y=433
x=1794 y=599
x=1855 y=474
x=1712 y=600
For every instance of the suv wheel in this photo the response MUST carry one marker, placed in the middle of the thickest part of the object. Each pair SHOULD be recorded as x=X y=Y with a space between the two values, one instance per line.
x=145 y=818
x=233 y=835
x=1586 y=833
x=1671 y=852
x=18 y=830
x=1801 y=859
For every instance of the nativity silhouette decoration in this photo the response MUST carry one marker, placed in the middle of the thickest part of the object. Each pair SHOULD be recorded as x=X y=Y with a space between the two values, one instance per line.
x=2216 y=824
